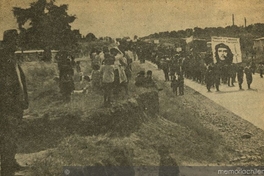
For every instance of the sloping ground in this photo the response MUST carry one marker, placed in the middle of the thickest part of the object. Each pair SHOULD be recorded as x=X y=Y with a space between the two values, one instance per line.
x=242 y=139
x=194 y=129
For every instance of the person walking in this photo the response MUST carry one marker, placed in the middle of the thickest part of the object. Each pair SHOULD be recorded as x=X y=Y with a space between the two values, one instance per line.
x=218 y=70
x=248 y=71
x=209 y=77
x=240 y=75
x=261 y=69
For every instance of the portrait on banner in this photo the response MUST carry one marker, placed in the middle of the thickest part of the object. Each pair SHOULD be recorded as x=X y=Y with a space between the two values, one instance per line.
x=226 y=49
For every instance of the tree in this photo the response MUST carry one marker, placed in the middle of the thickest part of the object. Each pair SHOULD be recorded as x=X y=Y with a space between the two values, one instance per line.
x=90 y=37
x=189 y=32
x=49 y=26
x=198 y=32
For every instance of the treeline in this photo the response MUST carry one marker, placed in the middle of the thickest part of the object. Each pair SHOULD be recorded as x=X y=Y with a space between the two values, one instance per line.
x=254 y=30
x=246 y=34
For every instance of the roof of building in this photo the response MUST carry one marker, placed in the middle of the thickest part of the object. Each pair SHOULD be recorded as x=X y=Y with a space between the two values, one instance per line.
x=33 y=51
x=262 y=38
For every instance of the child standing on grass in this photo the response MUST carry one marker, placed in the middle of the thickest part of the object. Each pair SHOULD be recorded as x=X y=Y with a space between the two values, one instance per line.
x=174 y=85
x=107 y=74
x=96 y=78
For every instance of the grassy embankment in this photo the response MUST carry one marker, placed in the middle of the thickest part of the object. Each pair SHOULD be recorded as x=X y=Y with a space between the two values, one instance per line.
x=64 y=128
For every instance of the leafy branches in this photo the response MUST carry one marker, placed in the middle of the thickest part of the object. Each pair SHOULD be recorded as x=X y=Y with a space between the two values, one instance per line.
x=49 y=26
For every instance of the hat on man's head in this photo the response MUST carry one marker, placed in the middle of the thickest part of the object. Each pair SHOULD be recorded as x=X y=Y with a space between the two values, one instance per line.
x=221 y=45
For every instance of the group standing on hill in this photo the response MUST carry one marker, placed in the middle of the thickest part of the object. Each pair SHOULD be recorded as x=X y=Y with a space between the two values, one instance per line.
x=111 y=71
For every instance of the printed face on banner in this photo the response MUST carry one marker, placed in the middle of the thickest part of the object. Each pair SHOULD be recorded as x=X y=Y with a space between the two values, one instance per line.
x=222 y=53
x=226 y=50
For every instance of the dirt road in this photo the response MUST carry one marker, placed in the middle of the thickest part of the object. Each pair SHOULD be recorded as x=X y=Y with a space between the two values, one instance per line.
x=247 y=104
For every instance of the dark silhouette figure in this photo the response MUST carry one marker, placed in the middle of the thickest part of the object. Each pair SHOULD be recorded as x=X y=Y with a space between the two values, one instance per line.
x=13 y=100
x=168 y=165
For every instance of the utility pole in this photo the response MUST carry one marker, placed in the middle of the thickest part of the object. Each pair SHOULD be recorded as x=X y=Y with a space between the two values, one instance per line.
x=245 y=22
x=233 y=19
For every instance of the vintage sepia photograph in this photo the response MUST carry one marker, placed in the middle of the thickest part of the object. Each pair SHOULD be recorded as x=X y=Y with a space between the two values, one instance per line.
x=131 y=87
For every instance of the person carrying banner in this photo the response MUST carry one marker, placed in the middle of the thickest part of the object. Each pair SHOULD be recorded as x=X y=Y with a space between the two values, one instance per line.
x=224 y=58
x=209 y=77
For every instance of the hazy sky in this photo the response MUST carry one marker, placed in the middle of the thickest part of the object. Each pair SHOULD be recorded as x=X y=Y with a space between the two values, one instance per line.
x=119 y=18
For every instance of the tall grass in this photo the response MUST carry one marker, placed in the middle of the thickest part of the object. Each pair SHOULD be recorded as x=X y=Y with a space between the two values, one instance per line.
x=39 y=75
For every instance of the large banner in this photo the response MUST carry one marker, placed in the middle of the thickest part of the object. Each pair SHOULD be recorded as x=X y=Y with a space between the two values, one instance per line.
x=226 y=48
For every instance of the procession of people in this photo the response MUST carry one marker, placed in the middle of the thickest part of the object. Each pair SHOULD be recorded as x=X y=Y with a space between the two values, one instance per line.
x=202 y=68
x=112 y=68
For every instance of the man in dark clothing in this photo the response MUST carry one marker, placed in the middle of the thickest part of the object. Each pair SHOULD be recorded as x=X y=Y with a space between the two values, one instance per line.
x=261 y=69
x=231 y=72
x=209 y=77
x=165 y=68
x=174 y=85
x=13 y=100
x=240 y=75
x=248 y=72
x=253 y=67
x=224 y=57
x=66 y=79
x=217 y=74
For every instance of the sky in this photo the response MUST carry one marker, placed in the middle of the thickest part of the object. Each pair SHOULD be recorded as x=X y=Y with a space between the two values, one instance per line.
x=120 y=18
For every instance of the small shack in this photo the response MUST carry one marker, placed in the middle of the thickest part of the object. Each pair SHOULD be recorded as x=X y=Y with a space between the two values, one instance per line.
x=34 y=55
x=259 y=44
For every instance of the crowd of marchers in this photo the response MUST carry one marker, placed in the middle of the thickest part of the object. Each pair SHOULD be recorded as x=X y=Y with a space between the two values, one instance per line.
x=202 y=67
